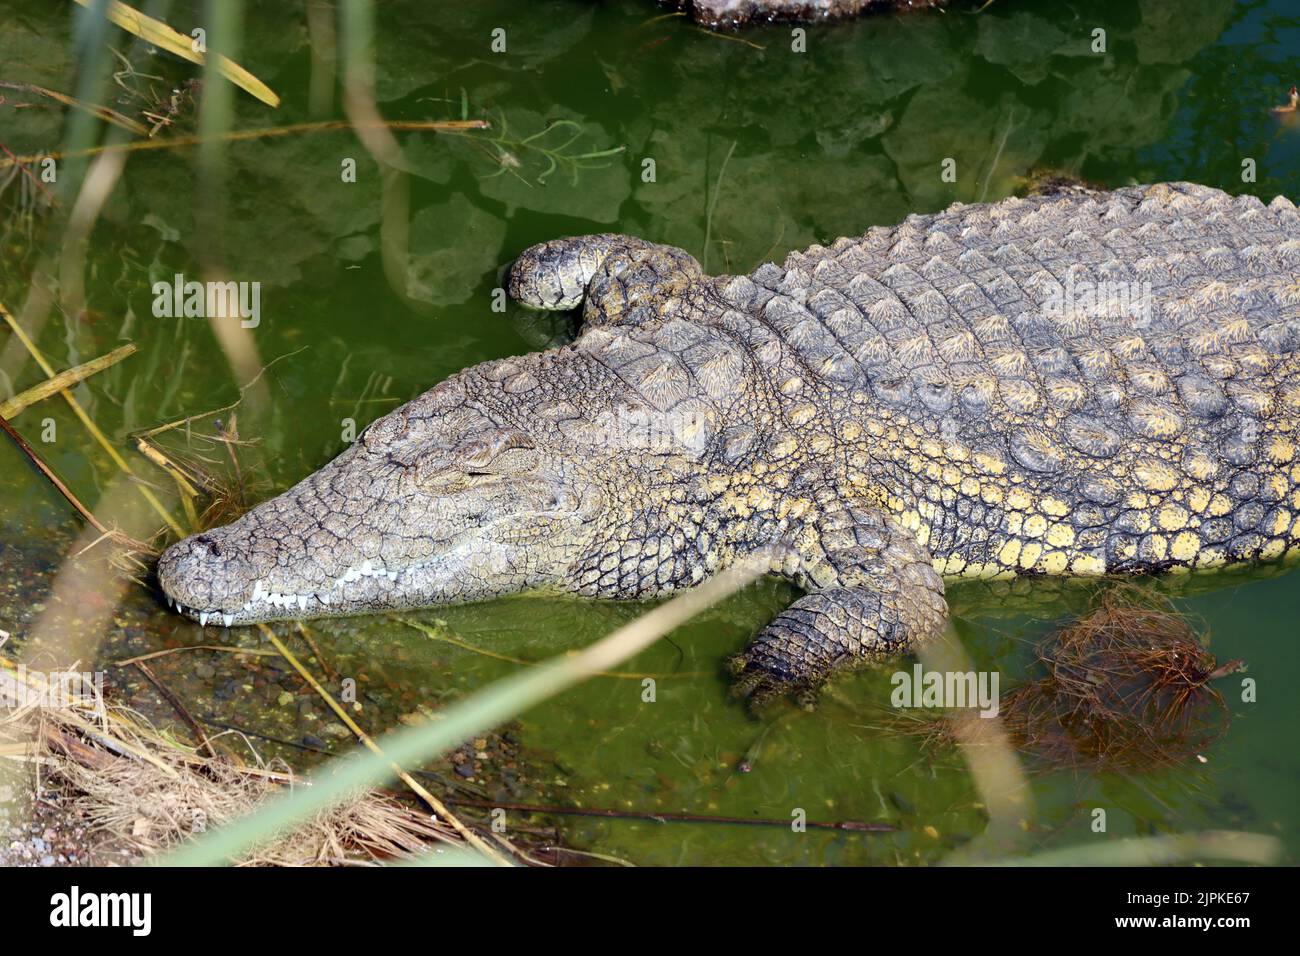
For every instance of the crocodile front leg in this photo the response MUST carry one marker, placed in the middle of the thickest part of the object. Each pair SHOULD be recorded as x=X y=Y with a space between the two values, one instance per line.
x=873 y=593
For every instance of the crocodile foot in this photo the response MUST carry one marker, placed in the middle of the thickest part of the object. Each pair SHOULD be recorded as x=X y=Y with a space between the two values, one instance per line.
x=762 y=687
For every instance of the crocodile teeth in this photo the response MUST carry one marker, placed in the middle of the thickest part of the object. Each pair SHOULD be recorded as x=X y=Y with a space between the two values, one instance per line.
x=258 y=591
x=302 y=602
x=203 y=618
x=227 y=619
x=367 y=568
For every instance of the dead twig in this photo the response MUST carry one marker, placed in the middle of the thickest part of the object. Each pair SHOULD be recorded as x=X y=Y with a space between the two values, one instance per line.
x=248 y=134
x=330 y=672
x=66 y=492
x=855 y=825
x=89 y=423
x=229 y=436
x=202 y=738
x=441 y=634
x=100 y=112
x=255 y=651
x=433 y=802
x=14 y=161
x=183 y=484
x=65 y=379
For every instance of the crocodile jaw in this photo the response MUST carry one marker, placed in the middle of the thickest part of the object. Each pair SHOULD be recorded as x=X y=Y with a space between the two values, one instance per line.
x=447 y=576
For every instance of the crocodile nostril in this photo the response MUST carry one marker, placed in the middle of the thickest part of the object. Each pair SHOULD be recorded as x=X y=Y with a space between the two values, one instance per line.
x=208 y=545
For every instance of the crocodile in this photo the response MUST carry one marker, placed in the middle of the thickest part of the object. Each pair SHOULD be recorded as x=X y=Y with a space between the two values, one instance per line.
x=1085 y=383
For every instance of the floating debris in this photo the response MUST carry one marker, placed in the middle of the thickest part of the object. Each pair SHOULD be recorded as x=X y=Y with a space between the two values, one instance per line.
x=1128 y=687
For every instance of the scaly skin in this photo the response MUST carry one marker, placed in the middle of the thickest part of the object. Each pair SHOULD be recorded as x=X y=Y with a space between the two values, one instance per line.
x=876 y=415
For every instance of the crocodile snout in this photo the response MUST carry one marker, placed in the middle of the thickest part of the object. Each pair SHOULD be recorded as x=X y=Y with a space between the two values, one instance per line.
x=199 y=575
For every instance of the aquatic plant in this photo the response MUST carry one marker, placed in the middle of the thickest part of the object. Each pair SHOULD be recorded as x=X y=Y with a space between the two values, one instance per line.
x=1128 y=687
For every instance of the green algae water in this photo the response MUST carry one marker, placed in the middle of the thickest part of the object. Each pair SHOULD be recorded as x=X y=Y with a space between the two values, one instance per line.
x=373 y=287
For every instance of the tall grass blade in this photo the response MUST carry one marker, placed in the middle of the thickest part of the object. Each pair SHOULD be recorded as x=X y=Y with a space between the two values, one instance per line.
x=484 y=710
x=165 y=38
x=1174 y=848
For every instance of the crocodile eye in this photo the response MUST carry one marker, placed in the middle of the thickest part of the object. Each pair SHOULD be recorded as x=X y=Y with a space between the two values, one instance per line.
x=504 y=452
x=475 y=455
x=500 y=453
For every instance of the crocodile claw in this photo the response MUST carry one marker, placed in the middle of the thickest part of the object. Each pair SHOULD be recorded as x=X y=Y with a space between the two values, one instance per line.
x=762 y=688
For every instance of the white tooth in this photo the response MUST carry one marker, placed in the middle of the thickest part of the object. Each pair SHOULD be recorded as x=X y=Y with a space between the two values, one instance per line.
x=367 y=568
x=325 y=599
x=258 y=591
x=392 y=575
x=274 y=598
x=203 y=619
x=350 y=575
x=227 y=619
x=302 y=602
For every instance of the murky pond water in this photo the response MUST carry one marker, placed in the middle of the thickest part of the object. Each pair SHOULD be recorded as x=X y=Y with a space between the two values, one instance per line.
x=368 y=297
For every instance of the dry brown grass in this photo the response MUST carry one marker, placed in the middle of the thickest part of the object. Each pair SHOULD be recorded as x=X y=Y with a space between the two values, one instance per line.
x=145 y=792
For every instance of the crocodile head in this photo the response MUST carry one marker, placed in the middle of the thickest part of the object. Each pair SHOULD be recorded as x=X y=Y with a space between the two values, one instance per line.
x=465 y=493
